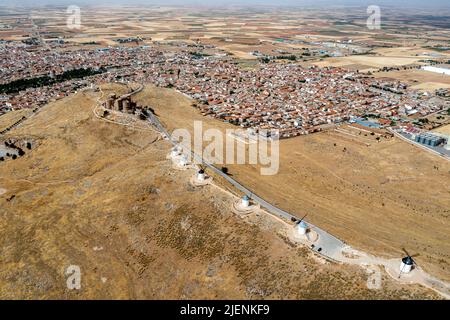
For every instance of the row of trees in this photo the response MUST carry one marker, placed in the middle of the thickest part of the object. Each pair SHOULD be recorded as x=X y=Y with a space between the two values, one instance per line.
x=22 y=84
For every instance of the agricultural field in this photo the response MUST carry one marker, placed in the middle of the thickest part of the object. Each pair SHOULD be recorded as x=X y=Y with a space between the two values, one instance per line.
x=418 y=79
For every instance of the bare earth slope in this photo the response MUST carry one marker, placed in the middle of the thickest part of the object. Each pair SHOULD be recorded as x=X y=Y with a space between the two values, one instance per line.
x=104 y=197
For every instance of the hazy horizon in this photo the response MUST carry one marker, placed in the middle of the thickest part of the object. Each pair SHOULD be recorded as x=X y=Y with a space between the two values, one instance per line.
x=311 y=3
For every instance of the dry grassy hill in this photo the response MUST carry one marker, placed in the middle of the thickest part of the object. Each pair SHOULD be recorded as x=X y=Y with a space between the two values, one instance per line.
x=104 y=197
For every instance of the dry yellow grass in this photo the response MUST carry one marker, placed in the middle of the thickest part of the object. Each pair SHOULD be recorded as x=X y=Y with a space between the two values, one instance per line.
x=103 y=197
x=408 y=52
x=444 y=129
x=430 y=86
x=378 y=198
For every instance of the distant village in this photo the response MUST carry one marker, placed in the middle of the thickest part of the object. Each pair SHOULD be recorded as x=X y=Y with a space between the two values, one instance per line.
x=274 y=95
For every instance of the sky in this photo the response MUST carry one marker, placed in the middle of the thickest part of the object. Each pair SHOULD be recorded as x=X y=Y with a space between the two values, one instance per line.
x=398 y=3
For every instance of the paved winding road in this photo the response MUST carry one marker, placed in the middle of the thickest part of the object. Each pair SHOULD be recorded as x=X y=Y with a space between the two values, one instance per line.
x=326 y=245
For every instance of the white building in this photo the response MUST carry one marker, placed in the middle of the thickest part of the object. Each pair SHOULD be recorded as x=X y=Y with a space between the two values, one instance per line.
x=445 y=71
